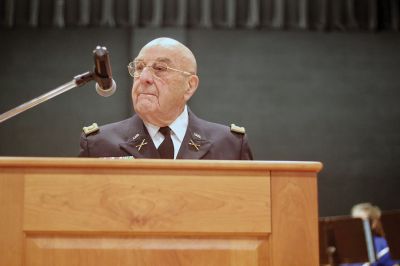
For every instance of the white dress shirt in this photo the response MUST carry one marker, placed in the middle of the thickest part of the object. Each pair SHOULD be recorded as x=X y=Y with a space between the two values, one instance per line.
x=178 y=131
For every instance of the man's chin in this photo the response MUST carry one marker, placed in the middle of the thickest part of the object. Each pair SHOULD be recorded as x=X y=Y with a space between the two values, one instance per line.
x=145 y=105
x=145 y=110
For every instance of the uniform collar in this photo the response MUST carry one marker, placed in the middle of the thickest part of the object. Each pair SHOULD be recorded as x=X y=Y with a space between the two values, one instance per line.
x=138 y=142
x=178 y=127
x=196 y=144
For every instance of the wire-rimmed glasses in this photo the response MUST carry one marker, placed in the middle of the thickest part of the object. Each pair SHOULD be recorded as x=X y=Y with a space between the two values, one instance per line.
x=158 y=68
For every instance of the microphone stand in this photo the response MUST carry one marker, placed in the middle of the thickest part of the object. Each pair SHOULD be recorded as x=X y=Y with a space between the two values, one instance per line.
x=78 y=81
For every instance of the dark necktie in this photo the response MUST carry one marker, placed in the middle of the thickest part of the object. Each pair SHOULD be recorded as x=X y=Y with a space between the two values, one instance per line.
x=166 y=149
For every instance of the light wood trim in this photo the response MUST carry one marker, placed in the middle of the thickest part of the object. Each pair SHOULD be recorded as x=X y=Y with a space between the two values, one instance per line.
x=11 y=202
x=36 y=162
x=294 y=218
x=61 y=251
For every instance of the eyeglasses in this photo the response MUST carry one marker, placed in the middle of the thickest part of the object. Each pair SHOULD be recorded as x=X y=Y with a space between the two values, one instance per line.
x=158 y=68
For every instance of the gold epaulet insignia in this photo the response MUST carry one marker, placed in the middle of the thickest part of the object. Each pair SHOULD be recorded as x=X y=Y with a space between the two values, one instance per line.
x=90 y=129
x=237 y=129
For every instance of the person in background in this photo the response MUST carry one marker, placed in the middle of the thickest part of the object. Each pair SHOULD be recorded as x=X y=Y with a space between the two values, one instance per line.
x=373 y=214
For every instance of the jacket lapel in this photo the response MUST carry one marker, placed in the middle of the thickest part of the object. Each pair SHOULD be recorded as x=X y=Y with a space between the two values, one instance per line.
x=195 y=144
x=139 y=143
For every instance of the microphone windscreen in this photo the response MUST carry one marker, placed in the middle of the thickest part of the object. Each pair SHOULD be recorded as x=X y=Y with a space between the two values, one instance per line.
x=106 y=92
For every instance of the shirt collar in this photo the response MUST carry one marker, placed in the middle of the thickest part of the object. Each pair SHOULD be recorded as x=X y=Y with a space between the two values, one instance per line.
x=178 y=127
x=152 y=129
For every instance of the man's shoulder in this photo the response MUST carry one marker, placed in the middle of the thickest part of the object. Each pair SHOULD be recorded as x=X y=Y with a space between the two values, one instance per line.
x=228 y=142
x=212 y=127
x=117 y=125
x=105 y=140
x=110 y=128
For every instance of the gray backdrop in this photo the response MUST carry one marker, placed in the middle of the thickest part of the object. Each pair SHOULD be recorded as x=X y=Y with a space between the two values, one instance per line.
x=329 y=97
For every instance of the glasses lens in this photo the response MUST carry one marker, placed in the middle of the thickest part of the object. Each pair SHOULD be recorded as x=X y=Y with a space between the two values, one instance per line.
x=139 y=66
x=159 y=68
x=131 y=69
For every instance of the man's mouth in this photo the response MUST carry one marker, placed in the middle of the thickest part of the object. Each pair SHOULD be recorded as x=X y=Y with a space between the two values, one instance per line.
x=147 y=93
x=146 y=96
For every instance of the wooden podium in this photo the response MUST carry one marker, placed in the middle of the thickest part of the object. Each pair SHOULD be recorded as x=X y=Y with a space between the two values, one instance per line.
x=98 y=212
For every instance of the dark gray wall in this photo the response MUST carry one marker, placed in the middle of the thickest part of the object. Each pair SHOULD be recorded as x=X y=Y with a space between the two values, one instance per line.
x=301 y=96
x=311 y=96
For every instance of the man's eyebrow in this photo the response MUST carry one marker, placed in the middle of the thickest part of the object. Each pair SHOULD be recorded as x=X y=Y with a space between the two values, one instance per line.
x=163 y=59
x=158 y=59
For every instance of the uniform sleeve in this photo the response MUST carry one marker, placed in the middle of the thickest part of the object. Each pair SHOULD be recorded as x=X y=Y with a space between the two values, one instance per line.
x=382 y=252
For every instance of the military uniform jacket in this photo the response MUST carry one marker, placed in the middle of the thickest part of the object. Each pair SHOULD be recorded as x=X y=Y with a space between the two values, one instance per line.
x=203 y=140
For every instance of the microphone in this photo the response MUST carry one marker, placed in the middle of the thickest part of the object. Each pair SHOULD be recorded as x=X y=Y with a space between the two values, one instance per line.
x=105 y=85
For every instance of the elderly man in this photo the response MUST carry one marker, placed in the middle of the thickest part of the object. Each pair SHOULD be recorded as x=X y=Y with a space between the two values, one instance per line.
x=164 y=79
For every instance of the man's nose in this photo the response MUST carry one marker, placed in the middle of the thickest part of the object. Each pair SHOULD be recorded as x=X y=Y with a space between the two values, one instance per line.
x=147 y=76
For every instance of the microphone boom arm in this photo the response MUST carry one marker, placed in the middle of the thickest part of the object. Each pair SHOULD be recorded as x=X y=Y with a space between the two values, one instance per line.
x=78 y=81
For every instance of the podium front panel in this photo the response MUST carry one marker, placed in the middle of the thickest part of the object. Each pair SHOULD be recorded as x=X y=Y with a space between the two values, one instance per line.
x=157 y=212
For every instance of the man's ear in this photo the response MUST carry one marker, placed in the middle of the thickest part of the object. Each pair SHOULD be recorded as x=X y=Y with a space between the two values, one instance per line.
x=193 y=83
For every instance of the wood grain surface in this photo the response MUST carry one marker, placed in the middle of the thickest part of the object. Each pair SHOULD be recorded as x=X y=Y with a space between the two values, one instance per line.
x=68 y=211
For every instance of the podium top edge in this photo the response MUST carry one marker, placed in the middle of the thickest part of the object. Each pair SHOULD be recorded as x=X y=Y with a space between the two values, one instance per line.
x=120 y=163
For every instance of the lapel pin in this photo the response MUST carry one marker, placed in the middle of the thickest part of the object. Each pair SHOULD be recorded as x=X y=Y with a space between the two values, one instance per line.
x=197 y=135
x=196 y=146
x=135 y=137
x=141 y=144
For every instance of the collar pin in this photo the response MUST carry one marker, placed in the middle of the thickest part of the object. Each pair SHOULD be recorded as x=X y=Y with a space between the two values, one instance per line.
x=141 y=144
x=136 y=136
x=196 y=146
x=197 y=135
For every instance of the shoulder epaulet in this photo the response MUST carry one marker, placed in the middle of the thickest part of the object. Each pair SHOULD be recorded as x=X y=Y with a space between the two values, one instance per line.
x=237 y=129
x=90 y=129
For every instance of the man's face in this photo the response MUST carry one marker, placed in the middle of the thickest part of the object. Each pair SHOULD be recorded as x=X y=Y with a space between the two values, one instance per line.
x=160 y=96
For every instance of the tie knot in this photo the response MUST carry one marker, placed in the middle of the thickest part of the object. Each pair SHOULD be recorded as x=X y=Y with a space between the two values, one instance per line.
x=166 y=131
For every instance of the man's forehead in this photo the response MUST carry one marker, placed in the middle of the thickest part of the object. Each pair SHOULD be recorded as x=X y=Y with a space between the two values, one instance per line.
x=158 y=59
x=157 y=50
